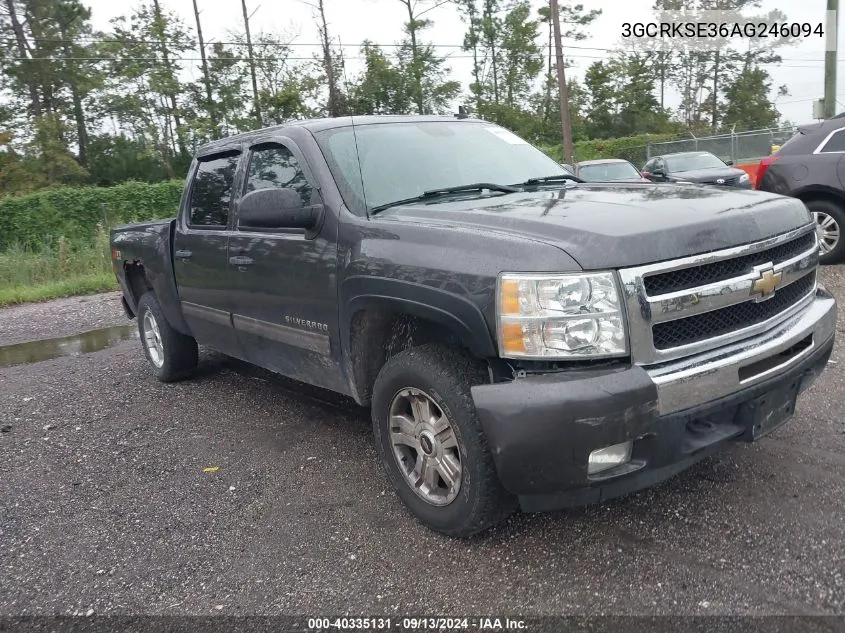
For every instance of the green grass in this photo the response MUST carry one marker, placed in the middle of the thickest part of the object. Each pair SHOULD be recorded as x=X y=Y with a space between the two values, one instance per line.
x=85 y=285
x=60 y=269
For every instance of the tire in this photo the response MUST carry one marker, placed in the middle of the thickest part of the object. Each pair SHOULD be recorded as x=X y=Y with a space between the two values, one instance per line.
x=410 y=383
x=830 y=220
x=172 y=355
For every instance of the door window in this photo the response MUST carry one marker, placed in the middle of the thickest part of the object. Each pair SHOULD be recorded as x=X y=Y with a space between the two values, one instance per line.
x=211 y=191
x=276 y=167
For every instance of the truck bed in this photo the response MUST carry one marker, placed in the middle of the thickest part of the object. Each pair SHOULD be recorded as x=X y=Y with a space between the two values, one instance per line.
x=143 y=259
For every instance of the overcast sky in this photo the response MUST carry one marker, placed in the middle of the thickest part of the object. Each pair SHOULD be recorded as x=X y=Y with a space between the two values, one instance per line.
x=380 y=21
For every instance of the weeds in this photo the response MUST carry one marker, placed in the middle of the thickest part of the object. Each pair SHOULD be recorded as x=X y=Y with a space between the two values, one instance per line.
x=66 y=268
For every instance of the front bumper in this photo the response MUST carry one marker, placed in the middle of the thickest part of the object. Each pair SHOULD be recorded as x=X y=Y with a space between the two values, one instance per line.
x=542 y=428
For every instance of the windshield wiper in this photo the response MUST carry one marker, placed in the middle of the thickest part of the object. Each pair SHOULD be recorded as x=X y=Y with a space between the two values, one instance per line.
x=445 y=191
x=555 y=178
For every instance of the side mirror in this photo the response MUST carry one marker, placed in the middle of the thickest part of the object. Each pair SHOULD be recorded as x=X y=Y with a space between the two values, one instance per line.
x=729 y=162
x=658 y=172
x=275 y=209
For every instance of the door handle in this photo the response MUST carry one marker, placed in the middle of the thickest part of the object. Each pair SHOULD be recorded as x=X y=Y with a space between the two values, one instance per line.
x=183 y=254
x=241 y=260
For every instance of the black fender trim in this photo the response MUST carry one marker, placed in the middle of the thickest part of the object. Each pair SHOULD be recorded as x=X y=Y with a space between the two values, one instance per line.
x=151 y=246
x=458 y=314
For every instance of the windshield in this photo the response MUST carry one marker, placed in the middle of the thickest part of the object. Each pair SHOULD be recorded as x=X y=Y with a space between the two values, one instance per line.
x=602 y=172
x=690 y=162
x=404 y=160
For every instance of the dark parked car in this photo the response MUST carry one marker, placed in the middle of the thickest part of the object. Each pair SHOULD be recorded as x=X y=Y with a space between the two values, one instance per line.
x=522 y=338
x=696 y=167
x=811 y=167
x=608 y=170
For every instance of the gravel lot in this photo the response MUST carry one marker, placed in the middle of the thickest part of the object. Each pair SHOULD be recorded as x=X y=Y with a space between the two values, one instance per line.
x=52 y=319
x=106 y=507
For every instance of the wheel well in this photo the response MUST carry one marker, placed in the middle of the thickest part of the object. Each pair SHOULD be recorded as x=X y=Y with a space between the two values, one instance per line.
x=136 y=279
x=376 y=335
x=810 y=196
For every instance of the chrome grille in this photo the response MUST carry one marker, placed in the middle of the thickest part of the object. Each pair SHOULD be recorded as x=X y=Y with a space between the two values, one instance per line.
x=724 y=320
x=728 y=182
x=687 y=306
x=726 y=269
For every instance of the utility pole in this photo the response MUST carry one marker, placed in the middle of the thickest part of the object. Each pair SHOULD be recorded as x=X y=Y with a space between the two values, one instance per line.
x=565 y=123
x=328 y=62
x=206 y=78
x=830 y=61
x=252 y=66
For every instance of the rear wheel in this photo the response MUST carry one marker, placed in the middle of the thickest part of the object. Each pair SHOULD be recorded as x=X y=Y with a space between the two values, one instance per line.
x=431 y=443
x=830 y=220
x=173 y=355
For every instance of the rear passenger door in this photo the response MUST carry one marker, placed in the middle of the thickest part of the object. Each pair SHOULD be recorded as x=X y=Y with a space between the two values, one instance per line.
x=284 y=281
x=200 y=251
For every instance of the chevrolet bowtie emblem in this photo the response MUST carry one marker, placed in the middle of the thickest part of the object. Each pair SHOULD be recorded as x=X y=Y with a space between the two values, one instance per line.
x=766 y=285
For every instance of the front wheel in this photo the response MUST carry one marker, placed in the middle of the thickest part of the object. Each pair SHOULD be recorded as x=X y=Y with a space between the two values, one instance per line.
x=830 y=219
x=431 y=444
x=173 y=355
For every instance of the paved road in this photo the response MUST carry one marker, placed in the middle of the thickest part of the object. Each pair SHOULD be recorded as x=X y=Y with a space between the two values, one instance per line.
x=105 y=506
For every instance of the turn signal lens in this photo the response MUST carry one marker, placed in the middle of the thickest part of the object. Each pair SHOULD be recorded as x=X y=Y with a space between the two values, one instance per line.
x=510 y=296
x=513 y=338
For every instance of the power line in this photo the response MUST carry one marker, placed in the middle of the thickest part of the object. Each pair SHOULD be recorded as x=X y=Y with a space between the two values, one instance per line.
x=241 y=58
x=319 y=45
x=777 y=103
x=189 y=59
x=87 y=40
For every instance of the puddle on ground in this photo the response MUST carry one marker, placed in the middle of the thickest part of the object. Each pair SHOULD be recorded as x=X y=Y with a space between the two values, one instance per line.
x=75 y=345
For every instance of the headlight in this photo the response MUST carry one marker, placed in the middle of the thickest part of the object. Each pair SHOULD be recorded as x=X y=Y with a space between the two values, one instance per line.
x=560 y=316
x=744 y=179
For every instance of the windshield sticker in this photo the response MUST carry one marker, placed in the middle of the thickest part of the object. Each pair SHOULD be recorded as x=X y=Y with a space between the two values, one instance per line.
x=506 y=136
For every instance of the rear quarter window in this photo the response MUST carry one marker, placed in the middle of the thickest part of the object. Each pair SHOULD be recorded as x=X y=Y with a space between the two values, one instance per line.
x=836 y=143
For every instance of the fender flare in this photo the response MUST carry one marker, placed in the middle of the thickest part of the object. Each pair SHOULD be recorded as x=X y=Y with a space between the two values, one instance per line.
x=821 y=191
x=457 y=313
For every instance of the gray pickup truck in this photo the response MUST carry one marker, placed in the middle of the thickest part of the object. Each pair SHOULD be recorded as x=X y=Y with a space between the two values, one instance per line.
x=522 y=338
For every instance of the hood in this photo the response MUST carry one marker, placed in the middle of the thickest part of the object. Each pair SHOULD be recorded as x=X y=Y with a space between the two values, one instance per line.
x=707 y=175
x=620 y=225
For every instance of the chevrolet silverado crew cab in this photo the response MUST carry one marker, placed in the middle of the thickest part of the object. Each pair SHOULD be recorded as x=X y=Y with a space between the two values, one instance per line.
x=522 y=338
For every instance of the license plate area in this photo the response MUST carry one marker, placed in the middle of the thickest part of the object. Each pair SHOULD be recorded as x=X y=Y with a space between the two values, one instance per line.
x=768 y=412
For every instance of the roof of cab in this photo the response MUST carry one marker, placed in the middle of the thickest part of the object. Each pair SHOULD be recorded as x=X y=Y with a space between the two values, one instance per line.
x=318 y=125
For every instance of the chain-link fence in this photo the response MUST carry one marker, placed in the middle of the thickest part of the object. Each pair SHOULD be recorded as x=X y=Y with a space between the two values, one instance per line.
x=739 y=147
x=636 y=155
